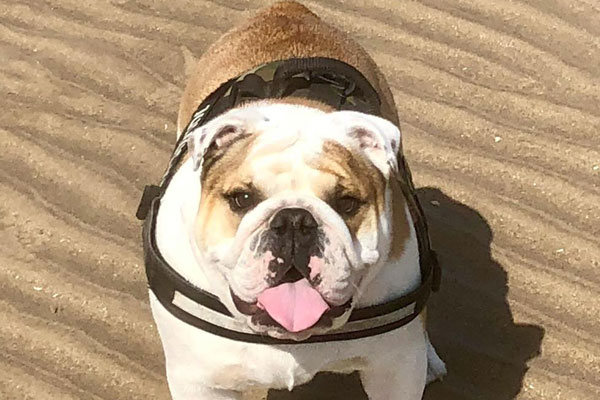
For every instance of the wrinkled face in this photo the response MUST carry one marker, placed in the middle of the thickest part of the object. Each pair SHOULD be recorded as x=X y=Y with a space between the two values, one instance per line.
x=294 y=210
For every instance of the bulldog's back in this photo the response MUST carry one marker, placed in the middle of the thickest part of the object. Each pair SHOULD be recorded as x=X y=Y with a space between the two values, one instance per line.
x=283 y=31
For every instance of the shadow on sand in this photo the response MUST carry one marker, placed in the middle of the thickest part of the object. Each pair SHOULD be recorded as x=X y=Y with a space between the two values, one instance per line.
x=469 y=320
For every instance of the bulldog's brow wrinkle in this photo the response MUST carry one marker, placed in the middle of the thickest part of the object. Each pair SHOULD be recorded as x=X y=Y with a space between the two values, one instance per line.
x=231 y=156
x=327 y=170
x=268 y=143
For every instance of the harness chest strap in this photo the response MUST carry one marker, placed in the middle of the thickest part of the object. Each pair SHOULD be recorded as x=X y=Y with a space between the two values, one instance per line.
x=343 y=87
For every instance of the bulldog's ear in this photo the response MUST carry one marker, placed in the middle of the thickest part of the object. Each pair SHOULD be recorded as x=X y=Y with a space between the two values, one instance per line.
x=377 y=137
x=217 y=135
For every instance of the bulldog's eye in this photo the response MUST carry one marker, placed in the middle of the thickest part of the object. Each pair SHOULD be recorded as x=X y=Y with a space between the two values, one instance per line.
x=241 y=201
x=347 y=205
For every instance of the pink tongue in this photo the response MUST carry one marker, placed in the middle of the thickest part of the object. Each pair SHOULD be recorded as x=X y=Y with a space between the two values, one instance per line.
x=295 y=306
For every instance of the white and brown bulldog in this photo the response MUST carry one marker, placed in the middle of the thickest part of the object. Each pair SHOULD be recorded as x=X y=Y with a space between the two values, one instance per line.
x=289 y=212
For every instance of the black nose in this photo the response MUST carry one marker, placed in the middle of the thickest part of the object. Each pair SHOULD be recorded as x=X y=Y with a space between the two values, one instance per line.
x=295 y=237
x=294 y=220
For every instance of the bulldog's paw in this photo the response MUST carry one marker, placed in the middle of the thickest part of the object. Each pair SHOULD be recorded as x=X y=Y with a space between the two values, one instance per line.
x=436 y=368
x=400 y=375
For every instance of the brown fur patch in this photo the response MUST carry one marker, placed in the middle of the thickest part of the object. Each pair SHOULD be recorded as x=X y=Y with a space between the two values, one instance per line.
x=215 y=219
x=268 y=37
x=358 y=177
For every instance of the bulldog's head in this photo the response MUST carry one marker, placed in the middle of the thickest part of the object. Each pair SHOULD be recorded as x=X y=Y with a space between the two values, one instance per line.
x=294 y=211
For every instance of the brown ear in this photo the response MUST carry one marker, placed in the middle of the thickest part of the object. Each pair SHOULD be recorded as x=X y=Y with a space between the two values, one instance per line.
x=218 y=134
x=378 y=138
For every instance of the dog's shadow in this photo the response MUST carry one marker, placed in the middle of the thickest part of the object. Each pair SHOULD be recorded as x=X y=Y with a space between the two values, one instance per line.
x=469 y=320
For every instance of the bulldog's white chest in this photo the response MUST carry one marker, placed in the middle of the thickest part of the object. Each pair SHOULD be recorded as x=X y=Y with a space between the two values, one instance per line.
x=199 y=359
x=200 y=364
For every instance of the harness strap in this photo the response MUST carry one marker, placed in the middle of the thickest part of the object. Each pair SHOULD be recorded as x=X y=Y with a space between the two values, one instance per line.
x=203 y=310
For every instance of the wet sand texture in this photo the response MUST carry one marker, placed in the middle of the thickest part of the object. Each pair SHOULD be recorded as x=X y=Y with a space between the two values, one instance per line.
x=499 y=103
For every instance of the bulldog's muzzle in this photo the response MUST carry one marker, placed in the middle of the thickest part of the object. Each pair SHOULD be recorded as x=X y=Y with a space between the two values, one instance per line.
x=294 y=272
x=292 y=238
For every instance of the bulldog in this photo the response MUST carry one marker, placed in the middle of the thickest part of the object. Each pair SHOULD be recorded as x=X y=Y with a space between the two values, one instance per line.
x=283 y=214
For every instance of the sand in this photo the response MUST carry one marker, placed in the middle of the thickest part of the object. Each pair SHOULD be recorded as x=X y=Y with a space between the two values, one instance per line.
x=499 y=103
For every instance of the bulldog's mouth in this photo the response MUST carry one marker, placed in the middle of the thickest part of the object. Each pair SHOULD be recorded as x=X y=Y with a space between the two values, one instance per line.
x=294 y=306
x=292 y=250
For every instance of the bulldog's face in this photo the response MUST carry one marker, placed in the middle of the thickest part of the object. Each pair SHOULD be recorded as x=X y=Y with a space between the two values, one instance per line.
x=294 y=211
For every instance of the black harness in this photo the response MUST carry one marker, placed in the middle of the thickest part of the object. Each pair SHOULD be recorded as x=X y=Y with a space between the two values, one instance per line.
x=334 y=83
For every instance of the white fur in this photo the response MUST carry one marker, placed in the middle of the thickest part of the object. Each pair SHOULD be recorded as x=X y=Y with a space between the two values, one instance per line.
x=204 y=366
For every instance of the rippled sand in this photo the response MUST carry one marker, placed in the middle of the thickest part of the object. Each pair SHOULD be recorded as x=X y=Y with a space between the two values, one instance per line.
x=499 y=103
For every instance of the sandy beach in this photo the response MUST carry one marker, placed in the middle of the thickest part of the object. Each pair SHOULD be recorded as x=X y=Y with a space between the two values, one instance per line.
x=499 y=103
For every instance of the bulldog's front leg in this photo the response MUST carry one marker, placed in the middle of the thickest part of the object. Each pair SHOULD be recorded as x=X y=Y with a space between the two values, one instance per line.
x=436 y=368
x=183 y=389
x=401 y=378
